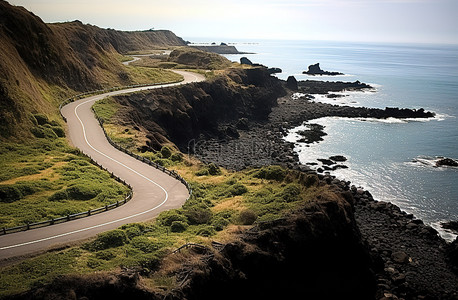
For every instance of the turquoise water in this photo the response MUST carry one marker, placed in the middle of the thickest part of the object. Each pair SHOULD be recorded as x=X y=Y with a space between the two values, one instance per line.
x=393 y=159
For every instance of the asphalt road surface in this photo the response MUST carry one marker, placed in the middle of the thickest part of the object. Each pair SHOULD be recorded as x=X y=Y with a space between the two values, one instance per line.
x=153 y=190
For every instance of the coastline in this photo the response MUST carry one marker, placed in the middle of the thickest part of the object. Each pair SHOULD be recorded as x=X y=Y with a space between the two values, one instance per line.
x=412 y=257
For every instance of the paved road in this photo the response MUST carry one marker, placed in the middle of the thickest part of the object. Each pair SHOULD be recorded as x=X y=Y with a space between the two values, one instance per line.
x=154 y=191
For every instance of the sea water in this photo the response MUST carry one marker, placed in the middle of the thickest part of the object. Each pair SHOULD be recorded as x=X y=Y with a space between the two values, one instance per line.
x=393 y=159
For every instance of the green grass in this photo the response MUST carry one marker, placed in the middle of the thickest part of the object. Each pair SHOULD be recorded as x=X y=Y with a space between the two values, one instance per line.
x=152 y=75
x=47 y=179
x=106 y=108
x=218 y=203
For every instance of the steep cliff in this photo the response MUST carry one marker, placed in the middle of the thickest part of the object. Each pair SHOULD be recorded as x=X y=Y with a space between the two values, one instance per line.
x=183 y=113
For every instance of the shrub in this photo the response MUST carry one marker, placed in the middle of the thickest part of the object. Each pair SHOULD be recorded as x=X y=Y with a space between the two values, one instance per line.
x=37 y=132
x=237 y=189
x=144 y=244
x=166 y=152
x=198 y=215
x=59 y=131
x=93 y=262
x=105 y=254
x=219 y=223
x=291 y=192
x=213 y=169
x=106 y=240
x=81 y=192
x=41 y=119
x=202 y=172
x=49 y=133
x=178 y=226
x=177 y=157
x=9 y=194
x=247 y=217
x=59 y=195
x=168 y=217
x=271 y=173
x=205 y=231
x=132 y=232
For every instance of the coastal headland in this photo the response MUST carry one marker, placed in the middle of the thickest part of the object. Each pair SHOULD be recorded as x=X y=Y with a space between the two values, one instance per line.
x=257 y=224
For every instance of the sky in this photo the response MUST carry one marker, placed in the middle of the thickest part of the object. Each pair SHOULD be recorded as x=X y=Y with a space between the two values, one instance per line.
x=406 y=21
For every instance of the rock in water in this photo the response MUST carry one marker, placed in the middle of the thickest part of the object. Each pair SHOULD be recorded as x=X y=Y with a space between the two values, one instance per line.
x=446 y=162
x=316 y=70
x=452 y=225
x=245 y=61
x=338 y=158
x=291 y=83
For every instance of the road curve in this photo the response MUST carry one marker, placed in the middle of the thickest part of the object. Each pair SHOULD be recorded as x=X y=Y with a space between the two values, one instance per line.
x=153 y=190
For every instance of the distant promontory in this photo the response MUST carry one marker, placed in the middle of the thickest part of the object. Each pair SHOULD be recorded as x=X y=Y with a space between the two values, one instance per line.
x=316 y=70
x=223 y=48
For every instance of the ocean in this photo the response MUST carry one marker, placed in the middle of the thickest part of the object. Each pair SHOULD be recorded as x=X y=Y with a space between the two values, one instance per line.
x=393 y=159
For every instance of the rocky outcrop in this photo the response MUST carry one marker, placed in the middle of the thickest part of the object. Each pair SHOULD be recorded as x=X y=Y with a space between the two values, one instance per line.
x=199 y=59
x=245 y=61
x=447 y=162
x=415 y=263
x=315 y=253
x=203 y=110
x=316 y=70
x=221 y=49
x=291 y=83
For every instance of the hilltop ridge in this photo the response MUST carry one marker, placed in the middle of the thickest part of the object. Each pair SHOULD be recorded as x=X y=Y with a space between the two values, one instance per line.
x=41 y=63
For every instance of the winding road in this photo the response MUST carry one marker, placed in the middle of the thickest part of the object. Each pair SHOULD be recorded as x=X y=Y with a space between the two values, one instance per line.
x=153 y=190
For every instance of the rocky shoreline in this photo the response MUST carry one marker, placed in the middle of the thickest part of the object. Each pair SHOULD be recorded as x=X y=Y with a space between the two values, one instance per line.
x=412 y=261
x=260 y=142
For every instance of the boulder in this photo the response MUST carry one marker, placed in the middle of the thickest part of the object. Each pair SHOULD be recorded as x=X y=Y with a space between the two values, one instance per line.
x=448 y=162
x=400 y=257
x=338 y=158
x=291 y=83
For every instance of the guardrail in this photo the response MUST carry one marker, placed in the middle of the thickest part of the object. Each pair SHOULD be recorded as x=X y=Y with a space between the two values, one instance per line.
x=107 y=90
x=67 y=218
x=90 y=212
x=144 y=159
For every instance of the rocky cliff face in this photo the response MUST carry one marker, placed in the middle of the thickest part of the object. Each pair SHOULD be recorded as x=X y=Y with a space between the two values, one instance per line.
x=208 y=108
x=315 y=252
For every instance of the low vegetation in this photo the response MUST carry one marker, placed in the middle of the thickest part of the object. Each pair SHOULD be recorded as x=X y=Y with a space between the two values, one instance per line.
x=221 y=205
x=46 y=178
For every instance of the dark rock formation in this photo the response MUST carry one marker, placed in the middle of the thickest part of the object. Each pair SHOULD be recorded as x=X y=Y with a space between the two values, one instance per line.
x=291 y=83
x=245 y=61
x=447 y=162
x=203 y=110
x=339 y=158
x=317 y=250
x=325 y=87
x=274 y=70
x=415 y=263
x=316 y=70
x=451 y=225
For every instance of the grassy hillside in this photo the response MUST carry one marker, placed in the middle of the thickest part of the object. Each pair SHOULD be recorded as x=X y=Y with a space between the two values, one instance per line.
x=44 y=63
x=223 y=205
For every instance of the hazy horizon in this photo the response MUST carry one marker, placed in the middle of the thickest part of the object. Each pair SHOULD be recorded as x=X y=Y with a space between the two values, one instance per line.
x=389 y=21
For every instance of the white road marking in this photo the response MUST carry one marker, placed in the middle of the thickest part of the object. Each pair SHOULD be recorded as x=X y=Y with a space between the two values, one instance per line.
x=107 y=223
x=196 y=78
